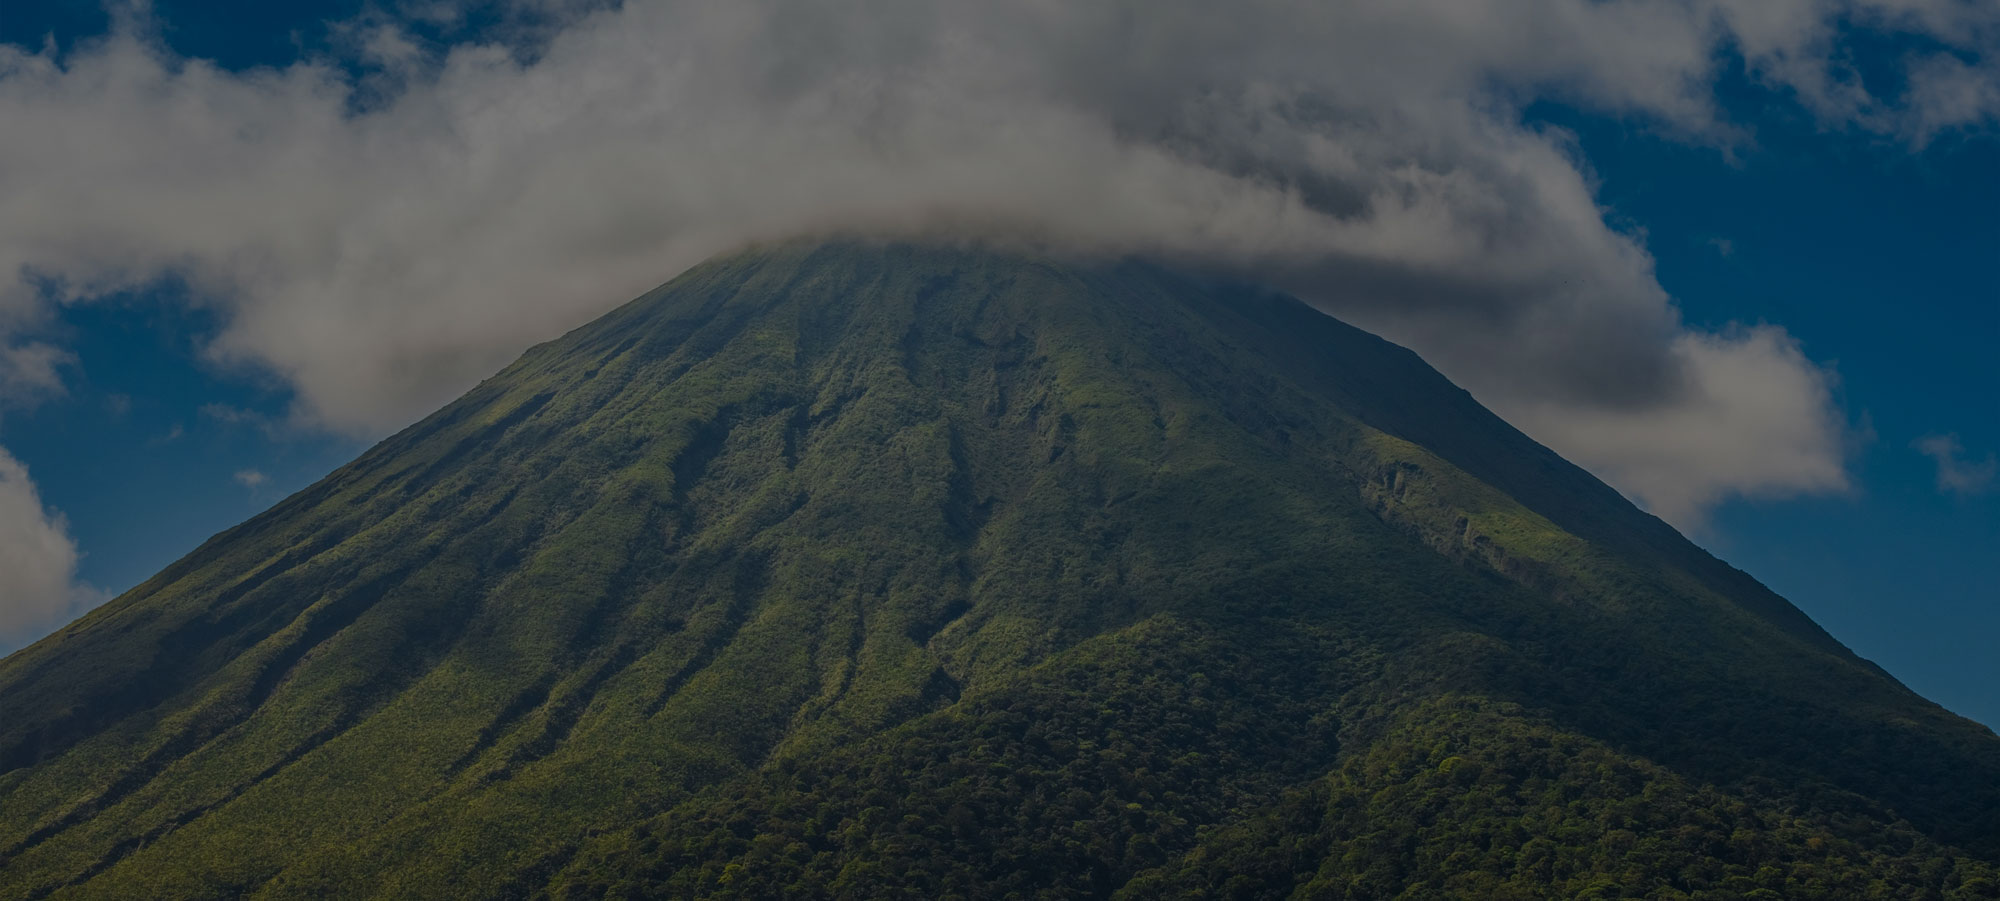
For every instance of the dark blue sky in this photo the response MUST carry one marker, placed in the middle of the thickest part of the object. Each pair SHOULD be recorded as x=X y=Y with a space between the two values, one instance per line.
x=1876 y=254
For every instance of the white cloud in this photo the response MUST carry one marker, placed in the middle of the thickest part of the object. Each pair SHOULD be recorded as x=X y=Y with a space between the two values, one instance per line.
x=1757 y=419
x=38 y=585
x=383 y=243
x=250 y=478
x=1957 y=473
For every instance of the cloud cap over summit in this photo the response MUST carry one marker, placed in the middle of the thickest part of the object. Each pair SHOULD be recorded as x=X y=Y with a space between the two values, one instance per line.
x=385 y=226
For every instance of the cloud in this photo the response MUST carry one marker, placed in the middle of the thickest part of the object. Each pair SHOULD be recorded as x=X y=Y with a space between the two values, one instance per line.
x=382 y=240
x=38 y=585
x=31 y=371
x=1956 y=473
x=1950 y=94
x=250 y=478
x=1757 y=420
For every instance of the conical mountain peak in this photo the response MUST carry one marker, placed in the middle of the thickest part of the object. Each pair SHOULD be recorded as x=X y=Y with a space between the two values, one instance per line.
x=865 y=570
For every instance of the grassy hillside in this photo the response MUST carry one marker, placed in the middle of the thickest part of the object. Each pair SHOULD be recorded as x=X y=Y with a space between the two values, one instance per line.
x=891 y=571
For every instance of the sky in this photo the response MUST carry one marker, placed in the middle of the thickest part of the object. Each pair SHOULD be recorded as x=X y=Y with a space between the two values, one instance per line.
x=1733 y=256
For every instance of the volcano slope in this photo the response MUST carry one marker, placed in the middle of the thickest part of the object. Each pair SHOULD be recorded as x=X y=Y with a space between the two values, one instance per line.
x=882 y=571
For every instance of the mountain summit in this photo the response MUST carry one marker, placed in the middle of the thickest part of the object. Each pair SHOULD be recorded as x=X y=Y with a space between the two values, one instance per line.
x=880 y=571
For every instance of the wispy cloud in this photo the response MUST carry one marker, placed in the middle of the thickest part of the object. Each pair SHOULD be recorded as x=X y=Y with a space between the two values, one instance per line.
x=229 y=415
x=30 y=371
x=250 y=478
x=174 y=433
x=1956 y=472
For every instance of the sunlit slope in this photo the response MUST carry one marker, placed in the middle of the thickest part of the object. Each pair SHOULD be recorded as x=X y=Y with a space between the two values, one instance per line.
x=861 y=570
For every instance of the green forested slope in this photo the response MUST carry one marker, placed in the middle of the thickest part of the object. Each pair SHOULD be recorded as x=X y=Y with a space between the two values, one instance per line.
x=866 y=571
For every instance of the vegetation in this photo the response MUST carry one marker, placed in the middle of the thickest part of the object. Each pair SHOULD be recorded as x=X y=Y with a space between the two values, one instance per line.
x=885 y=571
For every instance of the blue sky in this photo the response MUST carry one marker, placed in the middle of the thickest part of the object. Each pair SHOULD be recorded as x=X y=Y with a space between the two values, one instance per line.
x=1880 y=261
x=193 y=388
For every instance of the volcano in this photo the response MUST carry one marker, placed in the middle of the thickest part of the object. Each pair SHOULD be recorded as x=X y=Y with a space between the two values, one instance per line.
x=872 y=570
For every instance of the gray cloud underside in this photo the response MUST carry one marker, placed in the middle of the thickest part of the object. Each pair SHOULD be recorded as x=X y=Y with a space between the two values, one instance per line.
x=386 y=241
